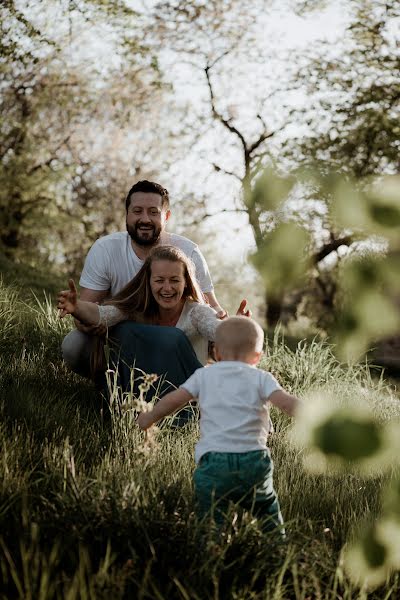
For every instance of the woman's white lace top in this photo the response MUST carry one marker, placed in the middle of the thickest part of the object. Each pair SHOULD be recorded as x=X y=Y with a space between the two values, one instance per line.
x=197 y=321
x=110 y=315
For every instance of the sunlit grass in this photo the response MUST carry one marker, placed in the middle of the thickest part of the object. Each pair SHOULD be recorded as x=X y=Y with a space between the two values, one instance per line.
x=89 y=509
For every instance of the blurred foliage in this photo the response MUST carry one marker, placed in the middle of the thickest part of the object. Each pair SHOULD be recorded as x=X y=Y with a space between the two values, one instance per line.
x=367 y=289
x=375 y=555
x=270 y=190
x=343 y=434
x=282 y=258
x=349 y=127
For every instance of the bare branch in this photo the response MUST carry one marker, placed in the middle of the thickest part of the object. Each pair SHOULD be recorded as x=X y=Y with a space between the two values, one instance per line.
x=280 y=90
x=216 y=214
x=49 y=160
x=218 y=116
x=191 y=63
x=218 y=169
x=263 y=137
x=220 y=57
x=260 y=118
x=331 y=247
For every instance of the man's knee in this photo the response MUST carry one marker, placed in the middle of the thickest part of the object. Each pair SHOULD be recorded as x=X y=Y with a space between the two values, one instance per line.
x=76 y=348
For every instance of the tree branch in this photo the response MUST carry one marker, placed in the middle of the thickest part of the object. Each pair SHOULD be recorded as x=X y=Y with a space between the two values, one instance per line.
x=220 y=57
x=49 y=160
x=209 y=215
x=218 y=169
x=331 y=247
x=264 y=136
x=217 y=115
x=263 y=123
x=28 y=205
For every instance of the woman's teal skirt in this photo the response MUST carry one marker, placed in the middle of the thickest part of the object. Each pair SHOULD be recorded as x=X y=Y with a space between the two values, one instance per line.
x=137 y=351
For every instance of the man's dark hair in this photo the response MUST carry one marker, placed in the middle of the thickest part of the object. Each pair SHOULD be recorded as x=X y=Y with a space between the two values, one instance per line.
x=149 y=187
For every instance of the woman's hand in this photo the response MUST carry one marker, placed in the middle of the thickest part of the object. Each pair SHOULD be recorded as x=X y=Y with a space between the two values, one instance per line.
x=243 y=311
x=221 y=313
x=67 y=300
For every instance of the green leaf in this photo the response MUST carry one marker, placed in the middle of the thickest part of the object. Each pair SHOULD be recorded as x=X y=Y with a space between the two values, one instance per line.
x=375 y=552
x=385 y=215
x=283 y=259
x=271 y=190
x=348 y=437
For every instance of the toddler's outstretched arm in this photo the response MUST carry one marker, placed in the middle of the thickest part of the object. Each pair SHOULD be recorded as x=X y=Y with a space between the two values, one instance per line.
x=285 y=401
x=167 y=405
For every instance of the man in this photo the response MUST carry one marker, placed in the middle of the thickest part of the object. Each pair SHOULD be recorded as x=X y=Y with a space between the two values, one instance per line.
x=115 y=259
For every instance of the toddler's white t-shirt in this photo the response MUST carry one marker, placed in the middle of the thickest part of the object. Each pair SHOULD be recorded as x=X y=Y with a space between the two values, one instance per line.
x=234 y=408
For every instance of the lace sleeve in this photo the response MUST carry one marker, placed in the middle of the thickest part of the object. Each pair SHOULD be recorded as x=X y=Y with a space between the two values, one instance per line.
x=110 y=315
x=204 y=320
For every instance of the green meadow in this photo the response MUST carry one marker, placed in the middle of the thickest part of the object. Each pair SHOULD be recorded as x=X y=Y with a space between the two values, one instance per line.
x=89 y=508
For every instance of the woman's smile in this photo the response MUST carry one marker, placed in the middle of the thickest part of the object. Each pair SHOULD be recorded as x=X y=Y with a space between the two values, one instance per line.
x=167 y=282
x=170 y=298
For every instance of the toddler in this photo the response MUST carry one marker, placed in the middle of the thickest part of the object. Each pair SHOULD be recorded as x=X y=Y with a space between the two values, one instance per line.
x=232 y=458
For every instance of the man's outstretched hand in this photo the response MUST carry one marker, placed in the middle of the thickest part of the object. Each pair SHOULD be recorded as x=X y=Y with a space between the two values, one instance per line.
x=67 y=300
x=243 y=311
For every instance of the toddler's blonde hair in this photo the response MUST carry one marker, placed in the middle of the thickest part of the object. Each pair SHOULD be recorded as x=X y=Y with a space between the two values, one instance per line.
x=239 y=336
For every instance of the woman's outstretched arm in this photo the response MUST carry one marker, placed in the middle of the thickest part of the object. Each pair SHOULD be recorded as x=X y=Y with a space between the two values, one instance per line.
x=69 y=304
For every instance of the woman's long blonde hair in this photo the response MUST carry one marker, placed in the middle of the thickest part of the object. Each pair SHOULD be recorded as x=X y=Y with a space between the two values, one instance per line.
x=137 y=301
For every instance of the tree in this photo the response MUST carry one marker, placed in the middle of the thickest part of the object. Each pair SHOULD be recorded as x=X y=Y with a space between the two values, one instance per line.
x=352 y=118
x=215 y=42
x=214 y=39
x=65 y=161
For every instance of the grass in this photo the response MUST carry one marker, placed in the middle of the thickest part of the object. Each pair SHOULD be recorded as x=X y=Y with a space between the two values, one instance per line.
x=89 y=510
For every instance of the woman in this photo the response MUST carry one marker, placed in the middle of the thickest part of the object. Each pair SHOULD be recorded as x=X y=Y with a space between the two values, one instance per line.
x=163 y=295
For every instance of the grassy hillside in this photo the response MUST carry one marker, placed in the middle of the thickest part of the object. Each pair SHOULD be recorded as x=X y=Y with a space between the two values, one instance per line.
x=90 y=509
x=28 y=279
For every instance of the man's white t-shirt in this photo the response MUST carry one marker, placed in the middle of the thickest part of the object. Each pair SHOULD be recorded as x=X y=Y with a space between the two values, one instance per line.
x=111 y=262
x=234 y=409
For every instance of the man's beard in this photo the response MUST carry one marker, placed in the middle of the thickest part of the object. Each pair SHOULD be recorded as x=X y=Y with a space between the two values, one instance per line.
x=150 y=238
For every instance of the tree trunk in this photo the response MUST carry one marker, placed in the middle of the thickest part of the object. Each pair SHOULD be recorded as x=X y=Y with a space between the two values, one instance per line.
x=273 y=310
